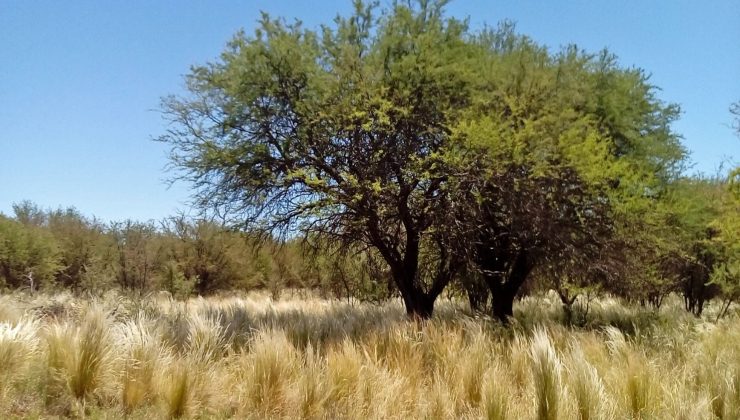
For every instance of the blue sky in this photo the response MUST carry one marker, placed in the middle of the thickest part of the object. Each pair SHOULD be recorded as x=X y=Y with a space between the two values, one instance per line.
x=80 y=81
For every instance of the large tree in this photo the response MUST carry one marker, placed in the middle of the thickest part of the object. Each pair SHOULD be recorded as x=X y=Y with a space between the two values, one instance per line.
x=570 y=152
x=339 y=133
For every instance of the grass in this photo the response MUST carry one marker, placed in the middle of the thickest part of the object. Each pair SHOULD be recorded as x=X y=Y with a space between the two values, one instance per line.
x=18 y=347
x=252 y=357
x=547 y=373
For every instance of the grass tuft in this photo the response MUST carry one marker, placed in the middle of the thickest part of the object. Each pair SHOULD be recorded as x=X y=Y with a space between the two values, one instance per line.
x=546 y=371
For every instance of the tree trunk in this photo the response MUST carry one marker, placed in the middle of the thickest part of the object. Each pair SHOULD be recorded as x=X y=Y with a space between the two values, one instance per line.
x=405 y=270
x=502 y=301
x=504 y=287
x=420 y=303
x=419 y=306
x=567 y=302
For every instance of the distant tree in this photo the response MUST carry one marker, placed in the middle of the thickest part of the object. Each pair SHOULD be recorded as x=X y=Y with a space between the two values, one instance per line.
x=29 y=256
x=208 y=255
x=83 y=247
x=138 y=254
x=733 y=183
x=726 y=243
x=28 y=213
x=679 y=242
x=347 y=273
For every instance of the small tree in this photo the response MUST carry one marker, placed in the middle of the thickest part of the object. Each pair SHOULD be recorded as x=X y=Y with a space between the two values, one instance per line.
x=83 y=246
x=29 y=255
x=206 y=253
x=137 y=254
x=525 y=222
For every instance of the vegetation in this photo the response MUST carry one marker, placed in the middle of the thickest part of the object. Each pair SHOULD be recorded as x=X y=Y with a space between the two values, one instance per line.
x=303 y=357
x=400 y=153
x=445 y=152
x=375 y=169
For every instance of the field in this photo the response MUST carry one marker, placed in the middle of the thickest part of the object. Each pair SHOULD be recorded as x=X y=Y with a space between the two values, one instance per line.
x=304 y=357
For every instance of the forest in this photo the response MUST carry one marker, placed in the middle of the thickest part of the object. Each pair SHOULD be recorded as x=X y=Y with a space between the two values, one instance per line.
x=397 y=217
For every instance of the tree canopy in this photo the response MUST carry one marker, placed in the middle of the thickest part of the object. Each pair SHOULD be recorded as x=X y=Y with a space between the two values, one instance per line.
x=404 y=132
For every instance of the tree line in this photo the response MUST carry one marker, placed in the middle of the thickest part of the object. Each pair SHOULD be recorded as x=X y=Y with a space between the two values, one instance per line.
x=693 y=254
x=64 y=250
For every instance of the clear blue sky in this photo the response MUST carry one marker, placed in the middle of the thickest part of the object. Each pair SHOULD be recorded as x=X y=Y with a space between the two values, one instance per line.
x=80 y=81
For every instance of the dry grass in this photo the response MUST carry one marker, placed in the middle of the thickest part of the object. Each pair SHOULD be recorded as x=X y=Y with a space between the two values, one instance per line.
x=251 y=357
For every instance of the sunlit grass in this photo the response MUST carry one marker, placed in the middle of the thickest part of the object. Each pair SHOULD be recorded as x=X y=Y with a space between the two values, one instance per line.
x=251 y=357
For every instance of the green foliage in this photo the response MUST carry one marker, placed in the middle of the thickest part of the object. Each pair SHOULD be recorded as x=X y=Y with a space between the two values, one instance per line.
x=726 y=243
x=673 y=238
x=62 y=248
x=577 y=153
x=137 y=254
x=80 y=242
x=734 y=183
x=339 y=133
x=411 y=152
x=381 y=130
x=29 y=255
x=206 y=254
x=174 y=281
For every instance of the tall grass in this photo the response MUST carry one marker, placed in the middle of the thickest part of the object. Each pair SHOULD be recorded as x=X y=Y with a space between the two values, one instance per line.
x=496 y=395
x=251 y=357
x=92 y=346
x=546 y=371
x=268 y=368
x=18 y=347
x=142 y=356
x=177 y=389
x=587 y=387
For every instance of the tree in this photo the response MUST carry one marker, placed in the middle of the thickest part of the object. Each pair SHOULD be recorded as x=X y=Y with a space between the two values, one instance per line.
x=526 y=223
x=690 y=209
x=338 y=134
x=204 y=253
x=29 y=214
x=138 y=254
x=566 y=153
x=82 y=246
x=727 y=274
x=726 y=243
x=29 y=256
